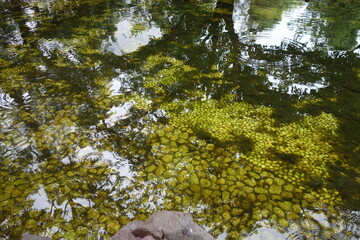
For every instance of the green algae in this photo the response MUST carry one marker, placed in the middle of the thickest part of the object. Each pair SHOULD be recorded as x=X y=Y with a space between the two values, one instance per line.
x=222 y=187
x=275 y=169
x=226 y=155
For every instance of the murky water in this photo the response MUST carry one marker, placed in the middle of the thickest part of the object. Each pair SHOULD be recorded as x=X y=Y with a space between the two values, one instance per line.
x=243 y=113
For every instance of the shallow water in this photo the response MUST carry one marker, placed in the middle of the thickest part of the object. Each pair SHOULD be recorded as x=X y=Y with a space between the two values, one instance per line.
x=243 y=113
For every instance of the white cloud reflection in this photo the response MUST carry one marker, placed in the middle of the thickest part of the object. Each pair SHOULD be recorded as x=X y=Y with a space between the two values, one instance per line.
x=125 y=41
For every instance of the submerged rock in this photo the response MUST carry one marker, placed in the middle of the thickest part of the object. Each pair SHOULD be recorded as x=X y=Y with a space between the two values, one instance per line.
x=163 y=225
x=148 y=229
x=34 y=237
x=125 y=233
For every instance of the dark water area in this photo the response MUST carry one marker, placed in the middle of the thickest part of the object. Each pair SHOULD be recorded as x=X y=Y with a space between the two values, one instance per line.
x=244 y=113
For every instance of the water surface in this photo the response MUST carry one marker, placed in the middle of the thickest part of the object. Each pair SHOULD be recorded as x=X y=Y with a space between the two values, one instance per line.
x=243 y=113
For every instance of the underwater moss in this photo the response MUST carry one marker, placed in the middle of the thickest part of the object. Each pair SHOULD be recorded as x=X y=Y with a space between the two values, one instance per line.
x=271 y=175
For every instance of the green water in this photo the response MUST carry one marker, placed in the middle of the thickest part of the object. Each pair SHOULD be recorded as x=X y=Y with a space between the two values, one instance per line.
x=243 y=113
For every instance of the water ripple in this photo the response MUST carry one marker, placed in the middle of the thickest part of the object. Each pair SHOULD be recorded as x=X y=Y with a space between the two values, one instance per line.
x=93 y=160
x=6 y=101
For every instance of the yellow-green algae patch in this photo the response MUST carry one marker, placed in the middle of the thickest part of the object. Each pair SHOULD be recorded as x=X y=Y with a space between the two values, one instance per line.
x=242 y=181
x=296 y=152
x=232 y=159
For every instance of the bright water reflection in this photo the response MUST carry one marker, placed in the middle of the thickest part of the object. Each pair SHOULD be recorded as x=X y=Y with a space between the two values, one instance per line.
x=128 y=39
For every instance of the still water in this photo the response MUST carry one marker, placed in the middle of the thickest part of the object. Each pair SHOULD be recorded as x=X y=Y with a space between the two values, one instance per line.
x=243 y=113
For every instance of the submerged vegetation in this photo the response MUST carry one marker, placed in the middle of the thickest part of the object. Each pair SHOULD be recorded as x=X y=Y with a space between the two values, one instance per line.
x=231 y=158
x=93 y=137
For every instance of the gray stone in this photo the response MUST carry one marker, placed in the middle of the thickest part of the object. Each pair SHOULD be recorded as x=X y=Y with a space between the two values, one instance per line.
x=34 y=237
x=146 y=229
x=148 y=238
x=178 y=226
x=132 y=225
x=125 y=233
x=164 y=225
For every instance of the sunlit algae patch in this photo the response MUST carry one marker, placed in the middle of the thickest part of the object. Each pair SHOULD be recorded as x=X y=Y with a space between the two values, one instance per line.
x=231 y=164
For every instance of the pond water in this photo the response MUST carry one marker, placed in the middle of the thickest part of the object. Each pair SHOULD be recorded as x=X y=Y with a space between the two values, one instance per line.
x=243 y=113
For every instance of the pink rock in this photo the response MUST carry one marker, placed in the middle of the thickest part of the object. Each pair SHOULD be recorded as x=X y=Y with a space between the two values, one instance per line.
x=148 y=238
x=34 y=237
x=148 y=229
x=178 y=226
x=125 y=233
x=164 y=225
